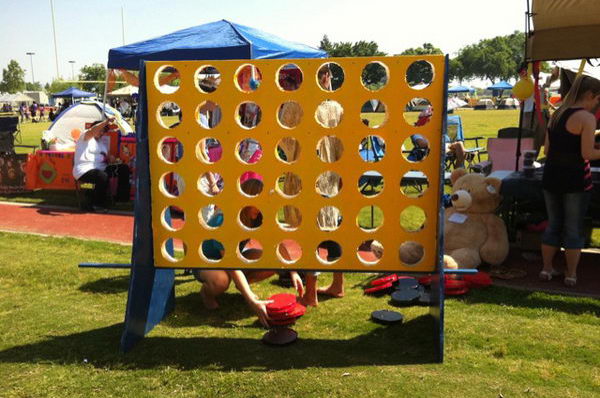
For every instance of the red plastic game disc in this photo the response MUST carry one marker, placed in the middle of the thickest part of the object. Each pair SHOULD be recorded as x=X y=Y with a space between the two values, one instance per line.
x=282 y=322
x=480 y=279
x=385 y=279
x=455 y=284
x=380 y=289
x=281 y=302
x=296 y=311
x=457 y=292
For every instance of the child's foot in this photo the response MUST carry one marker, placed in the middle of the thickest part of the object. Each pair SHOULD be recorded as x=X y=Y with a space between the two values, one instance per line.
x=332 y=291
x=307 y=300
x=210 y=303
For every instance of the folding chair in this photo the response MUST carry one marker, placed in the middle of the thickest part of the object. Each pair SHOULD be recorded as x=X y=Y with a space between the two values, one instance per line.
x=372 y=150
x=9 y=133
x=455 y=133
x=502 y=154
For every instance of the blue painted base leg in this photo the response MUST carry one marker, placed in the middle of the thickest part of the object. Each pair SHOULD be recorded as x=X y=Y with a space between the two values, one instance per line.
x=151 y=299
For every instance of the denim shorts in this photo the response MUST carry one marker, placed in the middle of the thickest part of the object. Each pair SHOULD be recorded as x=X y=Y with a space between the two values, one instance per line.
x=566 y=212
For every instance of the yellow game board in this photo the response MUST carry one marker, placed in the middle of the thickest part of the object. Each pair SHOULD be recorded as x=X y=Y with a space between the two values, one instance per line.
x=280 y=152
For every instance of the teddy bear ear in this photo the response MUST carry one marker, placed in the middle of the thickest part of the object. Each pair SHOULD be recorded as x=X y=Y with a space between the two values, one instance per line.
x=493 y=185
x=456 y=174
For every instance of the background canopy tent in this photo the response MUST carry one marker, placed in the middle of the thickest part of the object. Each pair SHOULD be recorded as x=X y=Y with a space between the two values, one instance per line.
x=15 y=98
x=215 y=40
x=563 y=29
x=460 y=89
x=500 y=86
x=124 y=91
x=73 y=92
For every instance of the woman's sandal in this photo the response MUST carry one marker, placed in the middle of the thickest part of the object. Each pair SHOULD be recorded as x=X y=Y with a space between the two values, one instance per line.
x=570 y=281
x=547 y=276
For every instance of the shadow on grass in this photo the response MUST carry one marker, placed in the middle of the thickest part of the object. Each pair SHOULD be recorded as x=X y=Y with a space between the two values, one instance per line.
x=411 y=343
x=119 y=284
x=190 y=312
x=533 y=300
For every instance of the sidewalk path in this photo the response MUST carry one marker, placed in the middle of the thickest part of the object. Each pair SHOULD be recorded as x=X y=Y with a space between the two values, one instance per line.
x=118 y=228
x=68 y=222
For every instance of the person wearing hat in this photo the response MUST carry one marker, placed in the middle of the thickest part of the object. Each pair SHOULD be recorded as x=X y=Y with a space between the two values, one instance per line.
x=93 y=164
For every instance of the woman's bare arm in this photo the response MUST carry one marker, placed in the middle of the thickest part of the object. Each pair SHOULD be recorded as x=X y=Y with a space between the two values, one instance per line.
x=588 y=151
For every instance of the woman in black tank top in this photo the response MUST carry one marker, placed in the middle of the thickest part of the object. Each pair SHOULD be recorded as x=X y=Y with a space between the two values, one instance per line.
x=567 y=177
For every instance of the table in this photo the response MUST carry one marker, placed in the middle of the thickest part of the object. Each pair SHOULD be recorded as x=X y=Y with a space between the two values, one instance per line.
x=524 y=196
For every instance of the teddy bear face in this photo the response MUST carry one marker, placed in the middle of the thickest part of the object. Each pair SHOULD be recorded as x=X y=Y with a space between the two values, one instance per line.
x=474 y=193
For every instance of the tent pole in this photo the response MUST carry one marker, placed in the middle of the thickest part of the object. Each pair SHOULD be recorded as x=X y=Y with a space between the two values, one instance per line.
x=520 y=133
x=105 y=94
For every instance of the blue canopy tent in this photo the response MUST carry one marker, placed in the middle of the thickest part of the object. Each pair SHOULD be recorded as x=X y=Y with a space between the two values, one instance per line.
x=216 y=40
x=499 y=87
x=460 y=89
x=73 y=93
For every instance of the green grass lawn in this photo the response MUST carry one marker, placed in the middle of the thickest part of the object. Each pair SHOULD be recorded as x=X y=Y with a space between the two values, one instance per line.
x=60 y=328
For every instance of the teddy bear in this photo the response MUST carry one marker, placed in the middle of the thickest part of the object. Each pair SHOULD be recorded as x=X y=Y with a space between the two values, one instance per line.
x=472 y=231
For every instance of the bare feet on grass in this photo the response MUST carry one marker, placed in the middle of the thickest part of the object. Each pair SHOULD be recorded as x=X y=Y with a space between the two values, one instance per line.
x=332 y=290
x=210 y=302
x=309 y=299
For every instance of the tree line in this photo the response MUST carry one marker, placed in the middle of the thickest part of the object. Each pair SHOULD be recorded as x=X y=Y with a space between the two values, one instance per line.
x=13 y=80
x=492 y=59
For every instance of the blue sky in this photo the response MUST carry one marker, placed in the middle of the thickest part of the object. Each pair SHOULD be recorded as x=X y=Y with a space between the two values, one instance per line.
x=87 y=29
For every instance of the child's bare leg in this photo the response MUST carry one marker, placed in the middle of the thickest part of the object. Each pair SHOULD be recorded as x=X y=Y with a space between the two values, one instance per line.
x=336 y=289
x=258 y=276
x=310 y=293
x=214 y=283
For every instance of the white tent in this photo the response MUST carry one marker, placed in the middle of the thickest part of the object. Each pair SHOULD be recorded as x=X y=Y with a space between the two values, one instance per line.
x=67 y=127
x=15 y=98
x=124 y=91
x=573 y=66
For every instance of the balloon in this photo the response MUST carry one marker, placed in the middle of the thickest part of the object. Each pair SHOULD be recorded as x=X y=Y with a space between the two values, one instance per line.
x=523 y=89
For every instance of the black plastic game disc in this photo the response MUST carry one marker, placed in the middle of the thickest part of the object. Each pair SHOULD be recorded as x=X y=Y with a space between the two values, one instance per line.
x=280 y=336
x=387 y=317
x=406 y=283
x=405 y=296
x=425 y=298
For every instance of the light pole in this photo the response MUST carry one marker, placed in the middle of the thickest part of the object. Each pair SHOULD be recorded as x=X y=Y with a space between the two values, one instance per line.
x=31 y=54
x=72 y=70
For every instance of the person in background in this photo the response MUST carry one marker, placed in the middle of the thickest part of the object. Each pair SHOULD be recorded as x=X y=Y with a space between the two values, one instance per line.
x=23 y=111
x=567 y=180
x=93 y=164
x=33 y=109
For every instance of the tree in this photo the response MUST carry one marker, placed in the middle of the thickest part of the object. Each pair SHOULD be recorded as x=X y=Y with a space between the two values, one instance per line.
x=373 y=75
x=494 y=59
x=420 y=71
x=13 y=78
x=93 y=72
x=37 y=86
x=348 y=49
x=56 y=86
